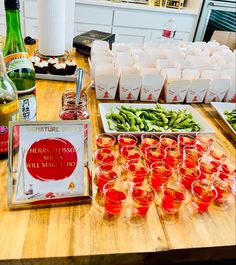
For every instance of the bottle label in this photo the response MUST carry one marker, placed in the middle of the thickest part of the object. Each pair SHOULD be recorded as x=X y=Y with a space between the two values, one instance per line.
x=168 y=33
x=27 y=107
x=16 y=61
x=3 y=139
x=8 y=112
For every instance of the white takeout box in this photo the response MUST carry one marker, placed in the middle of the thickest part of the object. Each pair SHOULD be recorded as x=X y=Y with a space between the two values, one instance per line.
x=218 y=85
x=152 y=83
x=231 y=94
x=197 y=90
x=197 y=87
x=175 y=89
x=130 y=83
x=106 y=82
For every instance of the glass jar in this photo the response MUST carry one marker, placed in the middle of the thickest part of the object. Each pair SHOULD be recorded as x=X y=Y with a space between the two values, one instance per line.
x=71 y=111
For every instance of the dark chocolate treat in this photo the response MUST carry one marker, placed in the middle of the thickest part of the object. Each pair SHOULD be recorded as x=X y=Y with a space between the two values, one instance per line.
x=58 y=69
x=41 y=67
x=70 y=67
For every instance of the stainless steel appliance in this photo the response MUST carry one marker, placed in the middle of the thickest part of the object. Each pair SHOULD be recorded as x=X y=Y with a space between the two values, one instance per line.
x=216 y=15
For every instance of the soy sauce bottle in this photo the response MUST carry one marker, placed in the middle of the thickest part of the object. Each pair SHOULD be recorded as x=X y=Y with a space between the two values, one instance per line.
x=19 y=68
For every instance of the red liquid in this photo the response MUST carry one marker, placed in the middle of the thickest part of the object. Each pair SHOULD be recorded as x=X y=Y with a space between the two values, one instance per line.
x=104 y=178
x=208 y=168
x=223 y=190
x=187 y=141
x=217 y=154
x=105 y=156
x=146 y=142
x=142 y=200
x=153 y=155
x=172 y=200
x=187 y=176
x=105 y=142
x=191 y=156
x=202 y=198
x=126 y=141
x=137 y=173
x=130 y=154
x=160 y=176
x=168 y=142
x=114 y=200
x=173 y=158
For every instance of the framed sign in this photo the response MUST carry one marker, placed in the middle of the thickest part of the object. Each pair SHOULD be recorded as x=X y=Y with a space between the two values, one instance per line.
x=50 y=163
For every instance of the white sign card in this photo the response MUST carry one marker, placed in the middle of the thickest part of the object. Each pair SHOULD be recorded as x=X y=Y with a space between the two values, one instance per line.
x=51 y=162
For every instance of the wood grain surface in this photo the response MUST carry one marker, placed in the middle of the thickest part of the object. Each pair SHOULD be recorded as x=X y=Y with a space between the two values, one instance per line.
x=81 y=235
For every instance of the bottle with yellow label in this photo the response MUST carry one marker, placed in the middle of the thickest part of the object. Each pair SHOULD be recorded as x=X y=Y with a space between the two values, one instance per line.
x=8 y=107
x=19 y=67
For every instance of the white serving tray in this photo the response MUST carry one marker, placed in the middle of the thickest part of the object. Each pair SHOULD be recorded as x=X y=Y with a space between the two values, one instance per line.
x=66 y=78
x=108 y=107
x=220 y=107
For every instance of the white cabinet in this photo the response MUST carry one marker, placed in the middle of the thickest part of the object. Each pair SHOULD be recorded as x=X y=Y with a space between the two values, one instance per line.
x=134 y=35
x=88 y=17
x=130 y=22
x=144 y=25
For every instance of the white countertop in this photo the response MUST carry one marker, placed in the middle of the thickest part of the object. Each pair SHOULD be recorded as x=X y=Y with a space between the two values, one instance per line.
x=185 y=10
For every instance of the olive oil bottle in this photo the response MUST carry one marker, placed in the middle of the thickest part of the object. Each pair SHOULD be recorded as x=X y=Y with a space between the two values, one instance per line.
x=19 y=68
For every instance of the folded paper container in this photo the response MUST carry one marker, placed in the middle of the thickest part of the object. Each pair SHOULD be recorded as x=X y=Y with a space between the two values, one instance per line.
x=181 y=71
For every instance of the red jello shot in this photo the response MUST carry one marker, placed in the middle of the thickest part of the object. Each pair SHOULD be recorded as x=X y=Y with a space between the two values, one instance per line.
x=186 y=141
x=153 y=154
x=207 y=168
x=191 y=156
x=218 y=152
x=173 y=156
x=136 y=172
x=203 y=194
x=104 y=156
x=105 y=140
x=105 y=173
x=148 y=140
x=187 y=173
x=114 y=197
x=223 y=188
x=142 y=195
x=126 y=139
x=228 y=168
x=129 y=152
x=173 y=196
x=160 y=173
x=204 y=141
x=168 y=140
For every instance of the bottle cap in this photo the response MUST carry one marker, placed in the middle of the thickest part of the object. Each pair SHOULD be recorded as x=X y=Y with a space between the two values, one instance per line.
x=12 y=4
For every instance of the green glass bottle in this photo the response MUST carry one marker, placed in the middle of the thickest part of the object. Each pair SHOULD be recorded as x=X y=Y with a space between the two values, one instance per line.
x=8 y=107
x=19 y=67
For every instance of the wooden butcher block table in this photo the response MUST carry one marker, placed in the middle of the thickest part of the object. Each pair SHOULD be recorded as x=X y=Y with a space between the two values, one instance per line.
x=79 y=235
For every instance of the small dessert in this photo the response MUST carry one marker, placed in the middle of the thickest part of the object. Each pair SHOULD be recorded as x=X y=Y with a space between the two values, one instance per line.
x=41 y=67
x=71 y=67
x=52 y=61
x=58 y=69
x=34 y=59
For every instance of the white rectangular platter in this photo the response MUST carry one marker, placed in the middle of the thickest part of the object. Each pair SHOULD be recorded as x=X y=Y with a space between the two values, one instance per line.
x=220 y=107
x=106 y=108
x=66 y=78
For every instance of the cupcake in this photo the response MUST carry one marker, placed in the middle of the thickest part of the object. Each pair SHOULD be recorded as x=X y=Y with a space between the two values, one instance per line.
x=70 y=67
x=58 y=69
x=34 y=59
x=52 y=61
x=41 y=67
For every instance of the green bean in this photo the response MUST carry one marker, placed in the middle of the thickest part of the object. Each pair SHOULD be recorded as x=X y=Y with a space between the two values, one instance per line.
x=157 y=119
